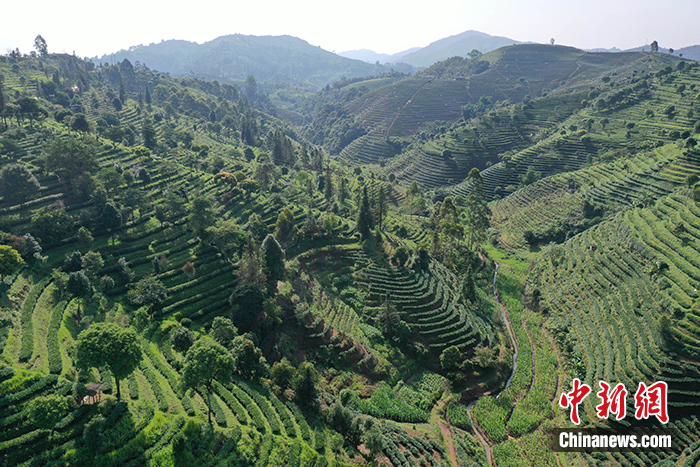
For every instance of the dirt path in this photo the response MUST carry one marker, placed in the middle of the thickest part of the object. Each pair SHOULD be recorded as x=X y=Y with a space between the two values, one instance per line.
x=481 y=438
x=447 y=434
x=477 y=429
x=506 y=320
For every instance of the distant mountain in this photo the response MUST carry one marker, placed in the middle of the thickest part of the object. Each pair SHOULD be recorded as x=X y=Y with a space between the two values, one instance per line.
x=691 y=52
x=456 y=46
x=277 y=59
x=604 y=50
x=370 y=56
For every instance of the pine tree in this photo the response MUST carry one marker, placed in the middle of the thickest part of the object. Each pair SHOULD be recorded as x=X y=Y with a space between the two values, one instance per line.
x=272 y=256
x=149 y=134
x=2 y=96
x=122 y=92
x=478 y=211
x=250 y=270
x=310 y=229
x=328 y=192
x=468 y=285
x=343 y=190
x=365 y=220
x=388 y=318
x=285 y=225
x=381 y=205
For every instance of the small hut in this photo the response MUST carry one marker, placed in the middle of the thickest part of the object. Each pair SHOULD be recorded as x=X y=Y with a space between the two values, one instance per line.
x=93 y=395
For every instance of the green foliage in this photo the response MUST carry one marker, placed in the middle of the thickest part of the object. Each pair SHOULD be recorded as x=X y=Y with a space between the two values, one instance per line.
x=10 y=260
x=223 y=331
x=205 y=362
x=365 y=219
x=18 y=184
x=282 y=373
x=52 y=225
x=181 y=339
x=106 y=344
x=384 y=403
x=284 y=226
x=246 y=304
x=272 y=256
x=248 y=359
x=228 y=237
x=46 y=411
x=450 y=358
x=201 y=215
x=458 y=415
x=150 y=292
x=305 y=383
x=71 y=157
x=78 y=285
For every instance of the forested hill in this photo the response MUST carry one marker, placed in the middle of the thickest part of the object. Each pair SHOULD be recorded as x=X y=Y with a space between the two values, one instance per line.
x=275 y=59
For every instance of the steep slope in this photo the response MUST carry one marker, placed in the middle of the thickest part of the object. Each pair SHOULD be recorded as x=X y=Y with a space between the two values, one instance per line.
x=456 y=88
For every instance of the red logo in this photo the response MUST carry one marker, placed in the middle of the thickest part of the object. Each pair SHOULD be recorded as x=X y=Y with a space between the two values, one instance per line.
x=648 y=400
x=574 y=398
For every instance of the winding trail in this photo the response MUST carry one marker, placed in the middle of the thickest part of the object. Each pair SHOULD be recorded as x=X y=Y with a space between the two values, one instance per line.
x=447 y=434
x=504 y=312
x=477 y=429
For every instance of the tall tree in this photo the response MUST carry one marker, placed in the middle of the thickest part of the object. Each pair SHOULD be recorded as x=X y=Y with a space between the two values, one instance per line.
x=228 y=237
x=2 y=98
x=18 y=184
x=78 y=286
x=201 y=215
x=248 y=359
x=654 y=46
x=108 y=344
x=223 y=331
x=182 y=339
x=251 y=88
x=272 y=256
x=40 y=46
x=111 y=219
x=149 y=134
x=365 y=220
x=51 y=224
x=285 y=225
x=122 y=92
x=265 y=174
x=206 y=362
x=246 y=304
x=477 y=210
x=328 y=189
x=381 y=205
x=282 y=373
x=304 y=384
x=388 y=318
x=250 y=270
x=70 y=158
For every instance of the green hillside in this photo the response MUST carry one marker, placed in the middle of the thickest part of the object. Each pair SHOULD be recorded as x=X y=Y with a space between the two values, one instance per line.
x=462 y=88
x=232 y=58
x=397 y=271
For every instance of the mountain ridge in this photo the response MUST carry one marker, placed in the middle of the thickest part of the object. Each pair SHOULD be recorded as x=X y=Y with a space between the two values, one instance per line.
x=280 y=59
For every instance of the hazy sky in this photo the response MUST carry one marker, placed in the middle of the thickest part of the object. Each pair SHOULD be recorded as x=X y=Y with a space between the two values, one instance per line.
x=90 y=28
